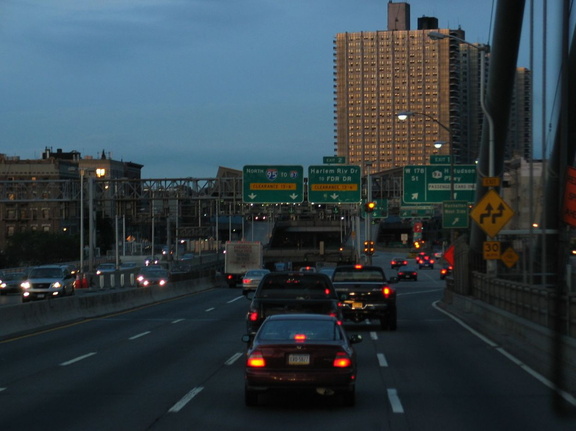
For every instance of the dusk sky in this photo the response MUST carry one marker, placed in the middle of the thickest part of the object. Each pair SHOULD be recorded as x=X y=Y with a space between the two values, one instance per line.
x=185 y=86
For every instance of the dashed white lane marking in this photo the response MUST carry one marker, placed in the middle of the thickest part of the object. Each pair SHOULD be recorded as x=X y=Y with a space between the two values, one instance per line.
x=177 y=320
x=2 y=389
x=185 y=400
x=233 y=358
x=373 y=335
x=142 y=334
x=382 y=360
x=395 y=401
x=210 y=309
x=79 y=358
x=235 y=299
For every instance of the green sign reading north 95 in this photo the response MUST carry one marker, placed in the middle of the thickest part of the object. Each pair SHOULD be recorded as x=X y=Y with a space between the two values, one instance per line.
x=268 y=184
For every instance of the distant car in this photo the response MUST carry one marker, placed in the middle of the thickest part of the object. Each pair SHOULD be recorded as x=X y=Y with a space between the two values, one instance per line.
x=307 y=269
x=252 y=278
x=425 y=261
x=152 y=276
x=11 y=281
x=307 y=352
x=398 y=262
x=445 y=271
x=48 y=281
x=407 y=273
x=105 y=268
x=151 y=260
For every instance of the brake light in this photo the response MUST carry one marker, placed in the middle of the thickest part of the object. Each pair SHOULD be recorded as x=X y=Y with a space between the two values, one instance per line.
x=255 y=360
x=357 y=266
x=246 y=280
x=253 y=316
x=386 y=291
x=229 y=276
x=342 y=360
x=300 y=337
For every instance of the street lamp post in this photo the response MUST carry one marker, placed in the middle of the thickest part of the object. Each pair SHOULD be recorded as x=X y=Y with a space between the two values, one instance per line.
x=434 y=35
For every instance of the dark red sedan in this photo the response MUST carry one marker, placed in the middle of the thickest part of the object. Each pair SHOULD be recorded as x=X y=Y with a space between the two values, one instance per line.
x=309 y=352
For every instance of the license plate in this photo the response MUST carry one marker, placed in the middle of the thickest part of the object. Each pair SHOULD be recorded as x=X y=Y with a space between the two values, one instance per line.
x=299 y=359
x=357 y=305
x=40 y=295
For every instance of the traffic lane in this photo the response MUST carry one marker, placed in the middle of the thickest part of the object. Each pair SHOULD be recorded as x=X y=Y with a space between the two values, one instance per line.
x=446 y=378
x=142 y=374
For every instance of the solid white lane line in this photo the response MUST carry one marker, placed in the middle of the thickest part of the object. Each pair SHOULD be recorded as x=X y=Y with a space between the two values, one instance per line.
x=142 y=334
x=185 y=400
x=567 y=397
x=395 y=401
x=233 y=358
x=79 y=358
x=382 y=360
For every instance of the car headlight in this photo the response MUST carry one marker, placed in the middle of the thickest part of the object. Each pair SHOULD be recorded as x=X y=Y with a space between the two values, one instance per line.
x=25 y=285
x=57 y=285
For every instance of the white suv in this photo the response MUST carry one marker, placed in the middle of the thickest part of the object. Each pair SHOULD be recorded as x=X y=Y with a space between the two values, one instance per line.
x=48 y=281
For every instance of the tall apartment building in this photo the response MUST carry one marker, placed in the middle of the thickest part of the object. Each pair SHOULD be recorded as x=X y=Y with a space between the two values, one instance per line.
x=379 y=74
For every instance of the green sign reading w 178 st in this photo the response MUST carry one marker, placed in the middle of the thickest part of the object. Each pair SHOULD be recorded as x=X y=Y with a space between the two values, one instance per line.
x=437 y=183
x=266 y=184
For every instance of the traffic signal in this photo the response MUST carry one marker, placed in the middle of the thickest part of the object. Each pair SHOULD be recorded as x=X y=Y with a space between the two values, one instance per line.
x=369 y=207
x=368 y=248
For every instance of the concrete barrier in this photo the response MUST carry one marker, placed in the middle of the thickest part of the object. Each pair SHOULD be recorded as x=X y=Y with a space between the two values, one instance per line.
x=20 y=319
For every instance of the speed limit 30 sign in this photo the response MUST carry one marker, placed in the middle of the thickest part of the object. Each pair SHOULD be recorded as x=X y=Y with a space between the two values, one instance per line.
x=491 y=250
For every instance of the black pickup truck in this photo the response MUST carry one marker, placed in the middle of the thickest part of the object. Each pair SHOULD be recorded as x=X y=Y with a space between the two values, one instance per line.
x=364 y=293
x=291 y=292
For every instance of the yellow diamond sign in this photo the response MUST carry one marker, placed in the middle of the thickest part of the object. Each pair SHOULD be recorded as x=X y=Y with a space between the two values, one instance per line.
x=491 y=213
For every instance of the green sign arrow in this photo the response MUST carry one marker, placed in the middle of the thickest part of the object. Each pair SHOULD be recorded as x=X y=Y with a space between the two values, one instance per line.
x=264 y=184
x=455 y=214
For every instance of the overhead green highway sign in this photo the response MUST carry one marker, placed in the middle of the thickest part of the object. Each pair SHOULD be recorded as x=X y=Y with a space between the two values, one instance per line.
x=266 y=184
x=455 y=214
x=334 y=160
x=427 y=184
x=334 y=184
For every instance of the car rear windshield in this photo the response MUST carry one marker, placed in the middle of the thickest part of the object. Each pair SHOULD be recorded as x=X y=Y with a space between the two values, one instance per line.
x=303 y=330
x=308 y=285
x=364 y=274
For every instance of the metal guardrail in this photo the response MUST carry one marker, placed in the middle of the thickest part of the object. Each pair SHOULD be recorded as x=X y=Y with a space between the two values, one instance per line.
x=539 y=305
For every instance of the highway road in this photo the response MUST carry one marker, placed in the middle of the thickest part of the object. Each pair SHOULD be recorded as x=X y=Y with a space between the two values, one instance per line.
x=178 y=365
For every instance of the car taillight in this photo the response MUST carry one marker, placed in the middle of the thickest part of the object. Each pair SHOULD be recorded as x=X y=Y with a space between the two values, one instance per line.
x=255 y=360
x=342 y=360
x=246 y=280
x=229 y=276
x=253 y=316
x=386 y=291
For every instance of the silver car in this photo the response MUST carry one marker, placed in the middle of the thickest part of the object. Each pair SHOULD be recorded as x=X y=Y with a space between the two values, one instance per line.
x=48 y=281
x=252 y=279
